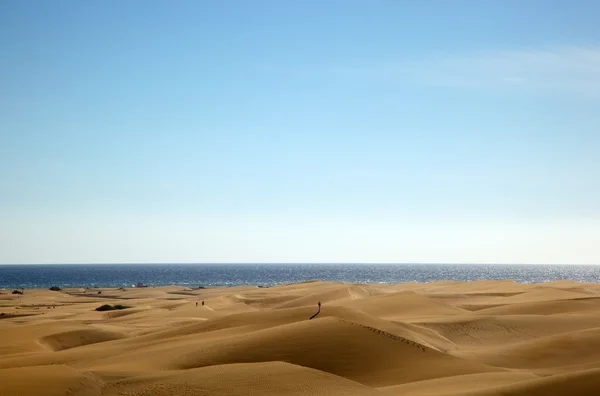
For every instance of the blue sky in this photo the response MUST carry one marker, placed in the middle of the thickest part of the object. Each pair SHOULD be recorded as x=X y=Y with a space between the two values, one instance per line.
x=270 y=131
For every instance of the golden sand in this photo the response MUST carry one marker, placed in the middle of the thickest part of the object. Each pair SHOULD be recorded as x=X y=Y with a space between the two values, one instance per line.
x=443 y=338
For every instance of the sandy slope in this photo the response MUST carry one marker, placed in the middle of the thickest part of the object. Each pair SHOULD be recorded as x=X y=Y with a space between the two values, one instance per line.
x=277 y=378
x=442 y=338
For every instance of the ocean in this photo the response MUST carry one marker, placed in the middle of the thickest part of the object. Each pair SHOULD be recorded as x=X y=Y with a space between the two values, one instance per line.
x=117 y=275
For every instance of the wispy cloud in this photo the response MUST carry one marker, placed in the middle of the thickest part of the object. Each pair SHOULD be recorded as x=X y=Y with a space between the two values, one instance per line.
x=574 y=70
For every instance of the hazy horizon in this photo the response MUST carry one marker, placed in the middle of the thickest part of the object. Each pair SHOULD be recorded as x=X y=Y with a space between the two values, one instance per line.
x=397 y=132
x=294 y=263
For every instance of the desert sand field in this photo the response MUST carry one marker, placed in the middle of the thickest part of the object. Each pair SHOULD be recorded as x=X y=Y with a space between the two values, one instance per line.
x=443 y=338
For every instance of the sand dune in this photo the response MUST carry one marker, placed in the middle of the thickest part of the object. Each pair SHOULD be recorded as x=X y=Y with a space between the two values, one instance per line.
x=581 y=383
x=459 y=385
x=277 y=378
x=55 y=380
x=402 y=305
x=440 y=338
x=73 y=339
x=367 y=355
x=328 y=295
x=586 y=304
x=558 y=350
x=470 y=330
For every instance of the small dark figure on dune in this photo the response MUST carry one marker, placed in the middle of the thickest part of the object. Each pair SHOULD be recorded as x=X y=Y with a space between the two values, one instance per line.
x=319 y=311
x=202 y=302
x=196 y=303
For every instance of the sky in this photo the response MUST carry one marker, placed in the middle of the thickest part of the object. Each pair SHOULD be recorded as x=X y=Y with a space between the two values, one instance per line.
x=316 y=131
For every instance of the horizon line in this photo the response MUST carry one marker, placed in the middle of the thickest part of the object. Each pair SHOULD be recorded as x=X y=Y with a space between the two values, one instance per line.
x=292 y=263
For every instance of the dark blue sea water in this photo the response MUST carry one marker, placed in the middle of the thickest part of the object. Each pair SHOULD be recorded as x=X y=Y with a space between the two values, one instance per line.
x=109 y=275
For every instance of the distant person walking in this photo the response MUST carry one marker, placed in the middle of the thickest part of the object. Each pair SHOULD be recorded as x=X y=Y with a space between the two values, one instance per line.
x=196 y=303
x=202 y=302
x=319 y=311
